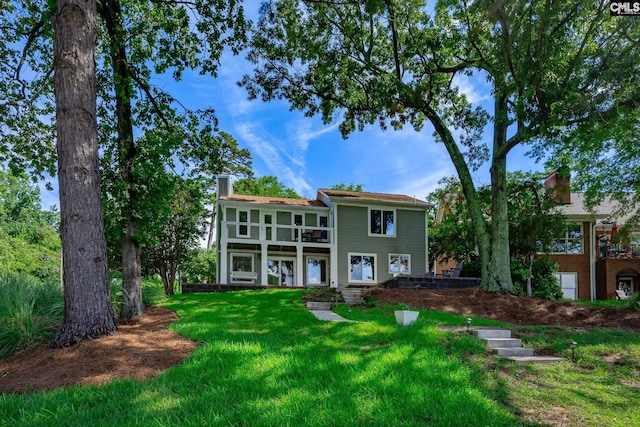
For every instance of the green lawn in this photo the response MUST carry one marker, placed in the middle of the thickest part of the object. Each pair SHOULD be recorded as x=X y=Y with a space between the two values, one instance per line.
x=266 y=361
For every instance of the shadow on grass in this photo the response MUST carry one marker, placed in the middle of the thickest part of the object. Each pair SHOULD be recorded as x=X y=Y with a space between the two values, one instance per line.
x=267 y=361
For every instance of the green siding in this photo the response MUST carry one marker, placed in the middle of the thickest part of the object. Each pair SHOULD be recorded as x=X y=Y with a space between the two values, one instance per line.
x=353 y=236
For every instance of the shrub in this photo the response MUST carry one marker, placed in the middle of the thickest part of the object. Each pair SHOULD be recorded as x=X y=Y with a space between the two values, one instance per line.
x=30 y=312
x=200 y=267
x=471 y=269
x=543 y=282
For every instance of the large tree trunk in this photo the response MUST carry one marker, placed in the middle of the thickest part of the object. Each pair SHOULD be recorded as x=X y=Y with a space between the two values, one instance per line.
x=88 y=312
x=111 y=14
x=470 y=194
x=500 y=260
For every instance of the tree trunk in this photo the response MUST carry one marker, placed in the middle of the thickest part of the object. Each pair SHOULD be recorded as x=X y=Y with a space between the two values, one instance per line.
x=168 y=275
x=500 y=260
x=88 y=312
x=212 y=227
x=470 y=194
x=111 y=14
x=529 y=289
x=131 y=273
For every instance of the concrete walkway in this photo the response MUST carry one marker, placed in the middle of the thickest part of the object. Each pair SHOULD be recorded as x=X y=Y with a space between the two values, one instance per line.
x=322 y=310
x=329 y=316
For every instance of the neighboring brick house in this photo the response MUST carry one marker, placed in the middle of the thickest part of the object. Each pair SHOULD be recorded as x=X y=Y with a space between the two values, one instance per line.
x=341 y=238
x=592 y=263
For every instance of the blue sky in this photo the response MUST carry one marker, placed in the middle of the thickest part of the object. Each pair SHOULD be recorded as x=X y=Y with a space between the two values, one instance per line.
x=306 y=155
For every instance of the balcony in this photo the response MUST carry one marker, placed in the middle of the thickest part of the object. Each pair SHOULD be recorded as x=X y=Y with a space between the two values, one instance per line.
x=277 y=233
x=619 y=251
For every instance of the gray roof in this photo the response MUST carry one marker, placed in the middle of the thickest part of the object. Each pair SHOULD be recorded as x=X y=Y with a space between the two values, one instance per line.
x=365 y=196
x=577 y=210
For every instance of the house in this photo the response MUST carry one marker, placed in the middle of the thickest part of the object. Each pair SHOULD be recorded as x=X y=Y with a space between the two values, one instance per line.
x=592 y=262
x=339 y=239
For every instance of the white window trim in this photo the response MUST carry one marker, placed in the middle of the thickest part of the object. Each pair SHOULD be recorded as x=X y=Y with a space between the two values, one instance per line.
x=375 y=267
x=559 y=276
x=566 y=240
x=253 y=269
x=247 y=224
x=382 y=209
x=408 y=265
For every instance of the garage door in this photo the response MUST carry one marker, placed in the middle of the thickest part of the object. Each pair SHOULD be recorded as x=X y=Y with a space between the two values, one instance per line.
x=569 y=284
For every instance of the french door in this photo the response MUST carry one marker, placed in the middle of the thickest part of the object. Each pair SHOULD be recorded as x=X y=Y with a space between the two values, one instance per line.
x=281 y=271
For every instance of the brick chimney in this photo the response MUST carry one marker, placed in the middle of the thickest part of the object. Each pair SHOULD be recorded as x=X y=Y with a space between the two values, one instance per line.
x=559 y=181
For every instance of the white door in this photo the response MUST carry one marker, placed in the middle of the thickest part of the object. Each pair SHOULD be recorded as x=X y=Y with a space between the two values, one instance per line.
x=569 y=284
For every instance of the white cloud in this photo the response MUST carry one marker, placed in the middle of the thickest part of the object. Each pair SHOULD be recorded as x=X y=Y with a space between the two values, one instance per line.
x=274 y=155
x=475 y=88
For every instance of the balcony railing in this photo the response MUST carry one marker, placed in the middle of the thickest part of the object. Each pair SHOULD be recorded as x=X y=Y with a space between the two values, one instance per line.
x=276 y=233
x=620 y=251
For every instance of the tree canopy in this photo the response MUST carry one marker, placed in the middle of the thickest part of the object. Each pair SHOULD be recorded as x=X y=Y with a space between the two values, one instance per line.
x=29 y=241
x=136 y=42
x=267 y=185
x=549 y=67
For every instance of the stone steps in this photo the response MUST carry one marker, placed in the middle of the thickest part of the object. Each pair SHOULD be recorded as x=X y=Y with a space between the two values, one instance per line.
x=499 y=341
x=320 y=306
x=352 y=295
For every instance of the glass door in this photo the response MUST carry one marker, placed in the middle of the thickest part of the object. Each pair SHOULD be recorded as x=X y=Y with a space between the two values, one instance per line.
x=280 y=271
x=317 y=270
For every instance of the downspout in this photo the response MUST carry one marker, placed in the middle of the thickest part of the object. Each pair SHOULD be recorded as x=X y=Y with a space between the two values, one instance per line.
x=426 y=248
x=592 y=261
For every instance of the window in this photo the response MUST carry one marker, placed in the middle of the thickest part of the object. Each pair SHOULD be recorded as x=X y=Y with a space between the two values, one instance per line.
x=570 y=242
x=243 y=223
x=242 y=262
x=242 y=268
x=362 y=268
x=399 y=264
x=382 y=222
x=634 y=240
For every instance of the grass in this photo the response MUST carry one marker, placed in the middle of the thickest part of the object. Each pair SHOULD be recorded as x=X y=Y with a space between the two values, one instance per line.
x=30 y=312
x=602 y=386
x=266 y=361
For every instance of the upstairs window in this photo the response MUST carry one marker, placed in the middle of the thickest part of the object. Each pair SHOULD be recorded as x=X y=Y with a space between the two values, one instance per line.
x=382 y=222
x=570 y=242
x=243 y=223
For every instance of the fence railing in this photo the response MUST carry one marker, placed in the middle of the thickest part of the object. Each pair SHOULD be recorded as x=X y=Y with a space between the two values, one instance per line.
x=620 y=251
x=277 y=232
